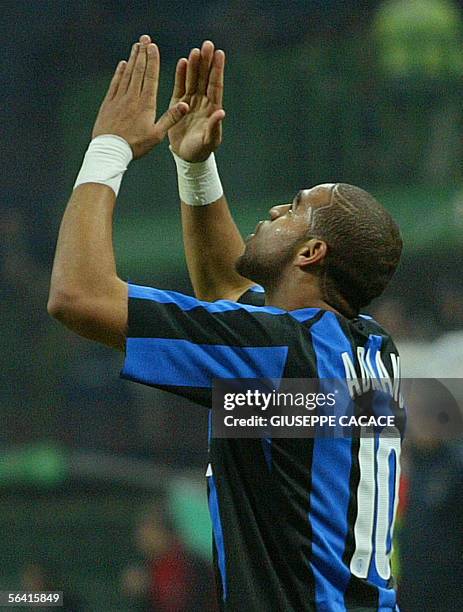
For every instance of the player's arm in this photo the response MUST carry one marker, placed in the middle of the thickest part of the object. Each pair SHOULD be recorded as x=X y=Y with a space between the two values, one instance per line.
x=181 y=344
x=86 y=293
x=212 y=240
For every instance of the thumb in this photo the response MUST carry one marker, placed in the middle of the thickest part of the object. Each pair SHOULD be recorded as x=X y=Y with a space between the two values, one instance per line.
x=214 y=128
x=170 y=118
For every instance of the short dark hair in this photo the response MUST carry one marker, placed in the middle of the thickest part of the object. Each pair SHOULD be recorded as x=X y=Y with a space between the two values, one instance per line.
x=364 y=248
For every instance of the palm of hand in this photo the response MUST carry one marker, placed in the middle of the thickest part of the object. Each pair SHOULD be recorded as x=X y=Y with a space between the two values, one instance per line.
x=199 y=83
x=190 y=137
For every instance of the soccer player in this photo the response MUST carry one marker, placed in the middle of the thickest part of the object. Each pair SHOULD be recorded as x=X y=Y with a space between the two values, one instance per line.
x=298 y=524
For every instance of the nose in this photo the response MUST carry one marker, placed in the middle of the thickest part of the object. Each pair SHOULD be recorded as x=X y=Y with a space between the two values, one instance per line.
x=278 y=211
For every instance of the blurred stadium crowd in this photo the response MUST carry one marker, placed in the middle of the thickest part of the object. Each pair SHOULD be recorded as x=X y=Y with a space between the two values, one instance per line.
x=362 y=92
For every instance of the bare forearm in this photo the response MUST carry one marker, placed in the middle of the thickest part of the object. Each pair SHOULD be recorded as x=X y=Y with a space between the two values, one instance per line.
x=86 y=293
x=211 y=239
x=84 y=256
x=85 y=289
x=212 y=246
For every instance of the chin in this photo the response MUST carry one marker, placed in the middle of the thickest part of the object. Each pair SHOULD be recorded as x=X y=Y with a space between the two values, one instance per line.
x=242 y=265
x=250 y=268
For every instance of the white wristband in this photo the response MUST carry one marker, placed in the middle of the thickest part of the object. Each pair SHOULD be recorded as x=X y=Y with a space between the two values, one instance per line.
x=198 y=183
x=105 y=162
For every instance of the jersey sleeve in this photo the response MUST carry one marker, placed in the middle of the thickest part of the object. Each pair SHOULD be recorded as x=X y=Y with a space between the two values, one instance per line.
x=180 y=344
x=254 y=296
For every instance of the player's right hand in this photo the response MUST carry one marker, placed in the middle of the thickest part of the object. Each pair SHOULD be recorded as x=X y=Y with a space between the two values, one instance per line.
x=199 y=83
x=129 y=108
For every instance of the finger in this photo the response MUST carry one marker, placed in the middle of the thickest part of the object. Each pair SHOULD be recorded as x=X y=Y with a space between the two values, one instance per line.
x=215 y=84
x=144 y=39
x=180 y=79
x=170 y=118
x=149 y=90
x=115 y=81
x=214 y=128
x=125 y=80
x=138 y=72
x=192 y=71
x=207 y=54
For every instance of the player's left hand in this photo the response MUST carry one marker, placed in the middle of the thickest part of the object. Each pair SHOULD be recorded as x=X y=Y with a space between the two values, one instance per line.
x=199 y=82
x=129 y=108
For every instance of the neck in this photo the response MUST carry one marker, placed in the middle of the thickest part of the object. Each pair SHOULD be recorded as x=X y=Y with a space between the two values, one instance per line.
x=296 y=292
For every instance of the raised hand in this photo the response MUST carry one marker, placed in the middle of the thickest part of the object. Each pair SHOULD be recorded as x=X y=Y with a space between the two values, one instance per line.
x=129 y=108
x=199 y=83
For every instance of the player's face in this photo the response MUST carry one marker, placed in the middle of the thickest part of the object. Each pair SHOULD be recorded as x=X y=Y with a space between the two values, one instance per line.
x=272 y=245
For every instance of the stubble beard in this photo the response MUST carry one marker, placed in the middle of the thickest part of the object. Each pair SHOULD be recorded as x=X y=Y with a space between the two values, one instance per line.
x=263 y=270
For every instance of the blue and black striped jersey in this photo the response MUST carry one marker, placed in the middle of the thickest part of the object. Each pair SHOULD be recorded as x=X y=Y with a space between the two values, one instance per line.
x=299 y=525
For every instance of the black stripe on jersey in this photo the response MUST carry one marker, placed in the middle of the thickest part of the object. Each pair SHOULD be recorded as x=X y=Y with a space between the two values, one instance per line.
x=301 y=361
x=198 y=395
x=151 y=319
x=295 y=457
x=254 y=298
x=355 y=469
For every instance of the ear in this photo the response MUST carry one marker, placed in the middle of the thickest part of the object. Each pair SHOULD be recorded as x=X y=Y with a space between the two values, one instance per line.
x=311 y=253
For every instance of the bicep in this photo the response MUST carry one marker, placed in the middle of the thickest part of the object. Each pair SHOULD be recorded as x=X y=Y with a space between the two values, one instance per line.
x=102 y=318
